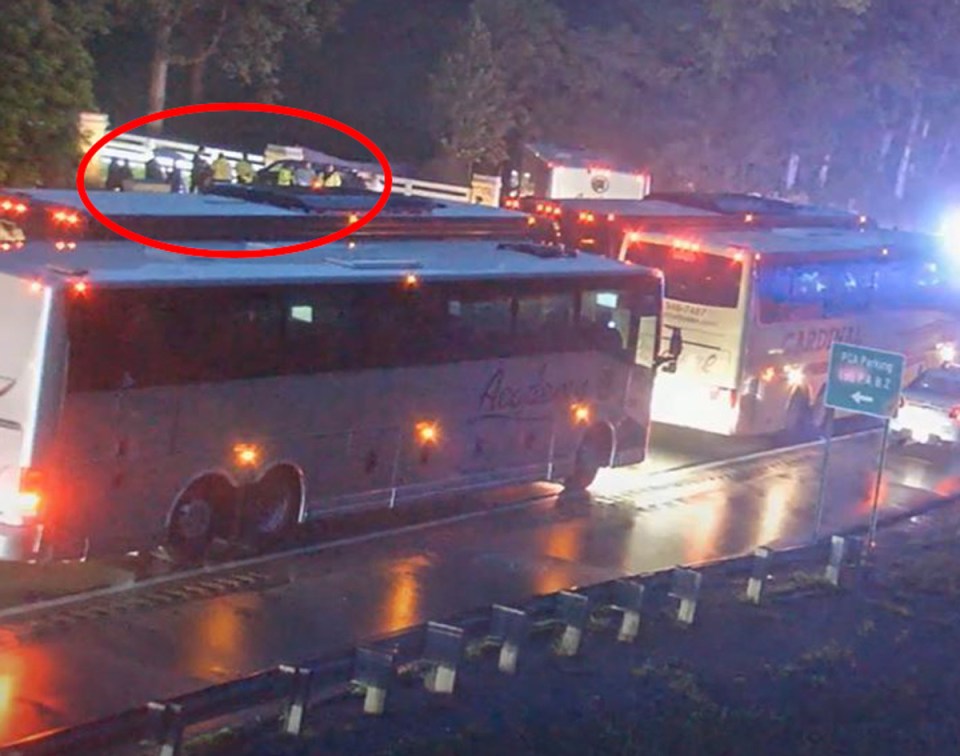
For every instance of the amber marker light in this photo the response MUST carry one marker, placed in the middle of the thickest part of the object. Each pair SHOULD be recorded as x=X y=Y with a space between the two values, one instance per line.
x=580 y=413
x=427 y=432
x=246 y=455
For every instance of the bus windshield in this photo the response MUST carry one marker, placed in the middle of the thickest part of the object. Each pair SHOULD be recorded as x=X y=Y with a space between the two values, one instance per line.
x=693 y=277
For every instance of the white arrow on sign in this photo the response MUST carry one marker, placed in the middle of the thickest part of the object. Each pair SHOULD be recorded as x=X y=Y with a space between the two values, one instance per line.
x=862 y=398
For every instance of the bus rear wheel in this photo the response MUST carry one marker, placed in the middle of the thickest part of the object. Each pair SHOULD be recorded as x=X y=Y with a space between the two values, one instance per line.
x=273 y=507
x=192 y=525
x=799 y=425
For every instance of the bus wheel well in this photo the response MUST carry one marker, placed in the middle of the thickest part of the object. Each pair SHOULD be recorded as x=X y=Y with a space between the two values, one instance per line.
x=290 y=475
x=602 y=436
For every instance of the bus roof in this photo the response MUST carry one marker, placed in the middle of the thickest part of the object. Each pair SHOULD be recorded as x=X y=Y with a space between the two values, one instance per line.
x=732 y=203
x=255 y=214
x=633 y=207
x=241 y=201
x=784 y=244
x=130 y=264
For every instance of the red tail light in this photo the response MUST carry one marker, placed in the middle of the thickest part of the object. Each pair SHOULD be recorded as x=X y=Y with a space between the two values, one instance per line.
x=21 y=506
x=955 y=412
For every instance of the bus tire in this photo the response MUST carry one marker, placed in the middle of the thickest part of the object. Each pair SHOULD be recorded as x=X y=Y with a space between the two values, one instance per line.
x=273 y=506
x=193 y=521
x=799 y=423
x=592 y=454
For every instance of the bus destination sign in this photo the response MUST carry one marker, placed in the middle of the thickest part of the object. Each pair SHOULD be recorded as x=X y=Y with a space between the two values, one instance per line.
x=863 y=380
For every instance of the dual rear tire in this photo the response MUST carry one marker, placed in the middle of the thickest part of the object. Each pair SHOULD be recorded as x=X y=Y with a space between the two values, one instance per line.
x=262 y=514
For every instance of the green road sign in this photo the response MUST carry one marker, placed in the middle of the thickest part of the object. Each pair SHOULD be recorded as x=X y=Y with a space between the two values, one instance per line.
x=864 y=380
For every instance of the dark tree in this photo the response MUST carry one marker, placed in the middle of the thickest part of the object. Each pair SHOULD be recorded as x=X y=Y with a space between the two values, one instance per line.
x=471 y=107
x=47 y=81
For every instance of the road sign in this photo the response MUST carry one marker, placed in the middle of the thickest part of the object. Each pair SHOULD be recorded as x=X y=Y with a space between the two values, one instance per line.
x=864 y=380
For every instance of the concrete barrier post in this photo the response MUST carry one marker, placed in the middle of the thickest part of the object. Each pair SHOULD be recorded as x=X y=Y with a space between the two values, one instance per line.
x=758 y=574
x=628 y=598
x=300 y=680
x=509 y=628
x=374 y=672
x=443 y=650
x=686 y=587
x=167 y=727
x=573 y=610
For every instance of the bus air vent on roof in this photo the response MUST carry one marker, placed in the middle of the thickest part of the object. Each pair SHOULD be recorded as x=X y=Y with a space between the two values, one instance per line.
x=538 y=250
x=70 y=272
x=373 y=264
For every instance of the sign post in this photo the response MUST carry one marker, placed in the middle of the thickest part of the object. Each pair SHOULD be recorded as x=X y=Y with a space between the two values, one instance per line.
x=868 y=382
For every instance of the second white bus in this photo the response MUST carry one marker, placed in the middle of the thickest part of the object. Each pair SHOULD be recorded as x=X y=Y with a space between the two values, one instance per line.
x=759 y=311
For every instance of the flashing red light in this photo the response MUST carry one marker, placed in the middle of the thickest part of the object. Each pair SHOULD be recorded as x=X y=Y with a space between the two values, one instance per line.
x=80 y=287
x=66 y=217
x=9 y=205
x=36 y=287
x=611 y=217
x=748 y=218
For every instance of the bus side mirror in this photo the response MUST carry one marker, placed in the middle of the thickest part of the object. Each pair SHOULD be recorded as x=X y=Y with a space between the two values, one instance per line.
x=668 y=362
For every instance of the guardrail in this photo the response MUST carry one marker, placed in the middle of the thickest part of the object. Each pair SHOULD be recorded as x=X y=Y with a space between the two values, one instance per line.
x=434 y=650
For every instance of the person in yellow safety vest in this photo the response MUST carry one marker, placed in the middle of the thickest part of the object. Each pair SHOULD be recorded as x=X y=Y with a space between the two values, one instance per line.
x=244 y=171
x=332 y=178
x=221 y=170
x=284 y=176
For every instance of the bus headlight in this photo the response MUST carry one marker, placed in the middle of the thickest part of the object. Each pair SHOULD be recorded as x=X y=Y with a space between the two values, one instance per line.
x=794 y=375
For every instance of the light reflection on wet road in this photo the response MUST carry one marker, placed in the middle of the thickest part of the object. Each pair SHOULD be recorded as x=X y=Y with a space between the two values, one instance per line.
x=335 y=597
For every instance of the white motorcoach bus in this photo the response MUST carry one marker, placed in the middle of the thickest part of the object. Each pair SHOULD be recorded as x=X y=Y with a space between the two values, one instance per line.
x=148 y=397
x=759 y=311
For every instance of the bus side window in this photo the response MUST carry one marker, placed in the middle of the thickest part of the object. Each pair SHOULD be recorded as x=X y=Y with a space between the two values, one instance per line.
x=543 y=322
x=321 y=331
x=480 y=328
x=790 y=294
x=605 y=322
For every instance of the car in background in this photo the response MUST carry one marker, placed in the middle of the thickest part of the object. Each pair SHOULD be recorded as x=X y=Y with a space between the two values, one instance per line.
x=929 y=410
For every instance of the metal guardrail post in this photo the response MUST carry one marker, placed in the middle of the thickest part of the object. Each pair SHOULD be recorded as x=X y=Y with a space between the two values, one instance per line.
x=443 y=649
x=686 y=587
x=838 y=546
x=573 y=609
x=758 y=574
x=167 y=725
x=374 y=671
x=628 y=599
x=510 y=628
x=300 y=680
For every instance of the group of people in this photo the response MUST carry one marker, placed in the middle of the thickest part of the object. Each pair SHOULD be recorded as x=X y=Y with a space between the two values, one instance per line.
x=204 y=174
x=303 y=175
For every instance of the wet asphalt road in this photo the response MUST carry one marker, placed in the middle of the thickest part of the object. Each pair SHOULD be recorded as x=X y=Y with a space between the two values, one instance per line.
x=327 y=600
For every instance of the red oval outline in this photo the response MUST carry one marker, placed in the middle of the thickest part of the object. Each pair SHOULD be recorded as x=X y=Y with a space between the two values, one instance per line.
x=222 y=107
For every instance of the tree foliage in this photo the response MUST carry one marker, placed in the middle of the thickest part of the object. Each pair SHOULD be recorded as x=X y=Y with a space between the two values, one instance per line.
x=245 y=39
x=472 y=111
x=47 y=80
x=725 y=94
